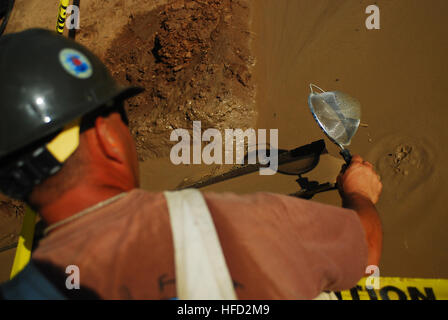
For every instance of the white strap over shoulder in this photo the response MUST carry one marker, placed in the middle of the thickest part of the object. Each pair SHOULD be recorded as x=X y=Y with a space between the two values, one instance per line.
x=201 y=269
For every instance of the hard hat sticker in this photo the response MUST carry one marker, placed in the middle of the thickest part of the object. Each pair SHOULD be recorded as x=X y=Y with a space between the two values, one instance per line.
x=75 y=63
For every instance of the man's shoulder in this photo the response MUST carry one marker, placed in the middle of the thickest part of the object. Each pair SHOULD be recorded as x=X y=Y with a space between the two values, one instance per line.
x=268 y=199
x=259 y=203
x=143 y=198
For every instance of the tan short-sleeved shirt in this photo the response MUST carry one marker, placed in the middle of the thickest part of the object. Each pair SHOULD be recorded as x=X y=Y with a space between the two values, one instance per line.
x=276 y=247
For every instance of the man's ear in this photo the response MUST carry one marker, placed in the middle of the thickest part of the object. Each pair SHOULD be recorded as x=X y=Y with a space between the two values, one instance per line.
x=109 y=138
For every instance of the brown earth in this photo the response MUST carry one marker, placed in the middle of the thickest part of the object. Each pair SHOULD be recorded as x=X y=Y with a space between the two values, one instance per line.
x=11 y=216
x=193 y=59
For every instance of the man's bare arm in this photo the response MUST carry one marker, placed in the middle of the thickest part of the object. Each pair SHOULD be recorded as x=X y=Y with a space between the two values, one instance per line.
x=360 y=189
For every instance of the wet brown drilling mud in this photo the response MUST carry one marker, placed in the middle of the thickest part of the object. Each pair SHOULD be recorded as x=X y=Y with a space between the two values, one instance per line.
x=399 y=75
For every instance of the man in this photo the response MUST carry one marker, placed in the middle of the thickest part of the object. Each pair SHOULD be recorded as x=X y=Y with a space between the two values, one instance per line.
x=120 y=237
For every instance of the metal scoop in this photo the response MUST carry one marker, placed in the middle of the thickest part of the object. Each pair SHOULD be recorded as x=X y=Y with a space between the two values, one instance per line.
x=338 y=115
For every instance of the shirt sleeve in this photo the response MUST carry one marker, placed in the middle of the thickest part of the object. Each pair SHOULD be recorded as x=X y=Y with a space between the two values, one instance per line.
x=298 y=247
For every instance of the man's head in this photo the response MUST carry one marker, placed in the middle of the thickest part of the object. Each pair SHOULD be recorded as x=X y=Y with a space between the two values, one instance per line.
x=105 y=158
x=63 y=121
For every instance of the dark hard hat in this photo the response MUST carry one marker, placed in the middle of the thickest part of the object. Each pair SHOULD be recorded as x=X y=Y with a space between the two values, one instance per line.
x=47 y=81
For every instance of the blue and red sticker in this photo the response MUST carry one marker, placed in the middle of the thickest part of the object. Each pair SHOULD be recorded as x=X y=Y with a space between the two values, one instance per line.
x=75 y=63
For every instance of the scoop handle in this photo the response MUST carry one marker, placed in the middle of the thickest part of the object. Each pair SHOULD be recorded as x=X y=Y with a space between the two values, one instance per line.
x=345 y=153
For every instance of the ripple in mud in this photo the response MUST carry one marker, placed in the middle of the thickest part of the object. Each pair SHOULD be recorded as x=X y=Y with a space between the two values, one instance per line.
x=404 y=164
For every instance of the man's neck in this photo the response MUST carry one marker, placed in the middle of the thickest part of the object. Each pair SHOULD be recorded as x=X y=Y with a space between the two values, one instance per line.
x=75 y=201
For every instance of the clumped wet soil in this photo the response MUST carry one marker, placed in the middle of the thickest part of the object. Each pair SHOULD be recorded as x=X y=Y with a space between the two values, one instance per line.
x=193 y=59
x=11 y=216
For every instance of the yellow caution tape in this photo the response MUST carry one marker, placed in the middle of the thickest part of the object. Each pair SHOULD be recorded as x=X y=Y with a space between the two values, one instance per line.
x=389 y=288
x=62 y=15
x=25 y=244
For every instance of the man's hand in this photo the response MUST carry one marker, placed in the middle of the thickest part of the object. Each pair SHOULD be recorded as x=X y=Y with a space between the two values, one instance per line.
x=360 y=188
x=360 y=179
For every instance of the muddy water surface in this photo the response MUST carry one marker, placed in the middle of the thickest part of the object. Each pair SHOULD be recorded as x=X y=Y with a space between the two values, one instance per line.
x=399 y=75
